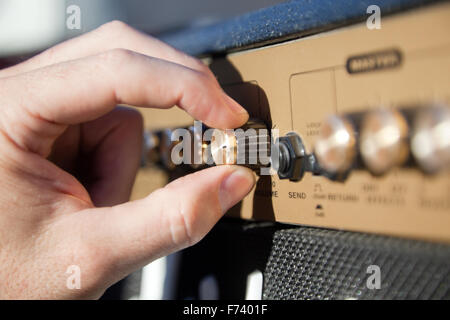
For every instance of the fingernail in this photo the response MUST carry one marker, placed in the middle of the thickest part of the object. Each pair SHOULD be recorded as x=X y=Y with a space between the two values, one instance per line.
x=235 y=187
x=234 y=106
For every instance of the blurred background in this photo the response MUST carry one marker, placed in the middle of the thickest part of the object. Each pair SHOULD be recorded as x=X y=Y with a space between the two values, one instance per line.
x=29 y=26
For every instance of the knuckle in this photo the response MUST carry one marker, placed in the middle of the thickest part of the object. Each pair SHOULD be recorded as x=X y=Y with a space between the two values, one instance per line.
x=114 y=26
x=189 y=214
x=182 y=222
x=200 y=66
x=201 y=78
x=180 y=229
x=197 y=84
x=116 y=57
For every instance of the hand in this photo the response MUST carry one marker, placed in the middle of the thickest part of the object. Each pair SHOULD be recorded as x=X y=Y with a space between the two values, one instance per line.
x=68 y=159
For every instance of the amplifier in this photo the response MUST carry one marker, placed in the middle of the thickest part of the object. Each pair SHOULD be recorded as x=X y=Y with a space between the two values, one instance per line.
x=360 y=206
x=371 y=106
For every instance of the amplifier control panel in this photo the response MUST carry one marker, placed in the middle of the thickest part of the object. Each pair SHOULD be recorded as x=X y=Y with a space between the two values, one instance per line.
x=370 y=110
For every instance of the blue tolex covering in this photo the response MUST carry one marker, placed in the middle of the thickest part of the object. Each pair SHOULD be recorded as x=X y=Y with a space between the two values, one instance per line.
x=283 y=21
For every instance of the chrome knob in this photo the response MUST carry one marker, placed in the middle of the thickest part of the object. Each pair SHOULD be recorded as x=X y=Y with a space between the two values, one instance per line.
x=335 y=149
x=383 y=140
x=248 y=145
x=430 y=141
x=224 y=147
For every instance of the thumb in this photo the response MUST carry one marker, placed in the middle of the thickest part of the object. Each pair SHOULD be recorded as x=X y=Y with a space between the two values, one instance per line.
x=174 y=217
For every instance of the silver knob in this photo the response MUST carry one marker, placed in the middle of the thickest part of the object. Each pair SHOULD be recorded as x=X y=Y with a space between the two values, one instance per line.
x=243 y=146
x=224 y=147
x=383 y=141
x=430 y=142
x=335 y=148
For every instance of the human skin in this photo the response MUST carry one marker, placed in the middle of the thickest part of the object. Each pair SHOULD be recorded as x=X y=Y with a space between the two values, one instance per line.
x=69 y=156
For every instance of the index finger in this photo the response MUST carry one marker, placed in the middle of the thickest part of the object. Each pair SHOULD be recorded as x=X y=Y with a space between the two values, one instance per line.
x=82 y=90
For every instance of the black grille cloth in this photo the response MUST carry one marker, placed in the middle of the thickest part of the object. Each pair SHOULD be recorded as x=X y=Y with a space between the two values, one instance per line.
x=309 y=263
x=312 y=263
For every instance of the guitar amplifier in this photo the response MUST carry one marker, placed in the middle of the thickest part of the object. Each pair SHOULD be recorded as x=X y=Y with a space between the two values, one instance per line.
x=364 y=87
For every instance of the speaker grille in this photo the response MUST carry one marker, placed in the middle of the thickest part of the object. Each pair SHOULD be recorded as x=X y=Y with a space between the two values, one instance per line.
x=310 y=263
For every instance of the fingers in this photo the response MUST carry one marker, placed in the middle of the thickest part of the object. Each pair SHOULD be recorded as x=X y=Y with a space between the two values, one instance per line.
x=112 y=145
x=83 y=90
x=103 y=154
x=111 y=35
x=179 y=215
